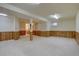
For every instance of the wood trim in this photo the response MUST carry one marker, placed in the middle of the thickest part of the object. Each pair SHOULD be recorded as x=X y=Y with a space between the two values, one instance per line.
x=16 y=35
x=41 y=33
x=22 y=32
x=69 y=34
x=77 y=37
x=0 y=35
x=9 y=35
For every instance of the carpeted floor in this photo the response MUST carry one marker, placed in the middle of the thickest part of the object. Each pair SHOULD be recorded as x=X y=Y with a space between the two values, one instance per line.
x=40 y=46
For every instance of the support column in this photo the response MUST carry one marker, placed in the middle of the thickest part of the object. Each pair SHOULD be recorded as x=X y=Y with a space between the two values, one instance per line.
x=31 y=29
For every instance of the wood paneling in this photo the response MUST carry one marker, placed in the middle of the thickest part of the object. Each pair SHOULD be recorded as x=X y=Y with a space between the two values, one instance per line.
x=41 y=33
x=77 y=37
x=9 y=35
x=23 y=32
x=0 y=36
x=16 y=35
x=69 y=34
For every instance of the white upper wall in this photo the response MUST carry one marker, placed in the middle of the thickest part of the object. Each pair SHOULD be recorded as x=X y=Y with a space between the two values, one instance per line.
x=64 y=25
x=77 y=22
x=41 y=27
x=11 y=23
x=8 y=23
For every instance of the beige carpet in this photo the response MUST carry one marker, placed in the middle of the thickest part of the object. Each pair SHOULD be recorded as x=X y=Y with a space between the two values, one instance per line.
x=40 y=46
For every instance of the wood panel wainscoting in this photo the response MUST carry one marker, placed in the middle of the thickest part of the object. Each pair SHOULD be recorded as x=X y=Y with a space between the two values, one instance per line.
x=77 y=37
x=69 y=34
x=22 y=32
x=9 y=35
x=41 y=33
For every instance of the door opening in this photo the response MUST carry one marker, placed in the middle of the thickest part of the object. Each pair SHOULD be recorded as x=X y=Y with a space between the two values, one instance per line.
x=27 y=27
x=29 y=30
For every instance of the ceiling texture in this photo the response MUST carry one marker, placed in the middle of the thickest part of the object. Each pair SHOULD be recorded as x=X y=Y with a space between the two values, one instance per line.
x=65 y=10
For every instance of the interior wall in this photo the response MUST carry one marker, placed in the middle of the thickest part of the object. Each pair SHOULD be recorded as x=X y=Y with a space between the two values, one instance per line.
x=9 y=23
x=41 y=26
x=65 y=28
x=9 y=27
x=64 y=25
x=77 y=22
x=77 y=28
x=22 y=25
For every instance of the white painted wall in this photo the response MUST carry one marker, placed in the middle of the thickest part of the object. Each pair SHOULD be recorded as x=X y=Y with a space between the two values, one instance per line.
x=11 y=23
x=41 y=27
x=8 y=23
x=64 y=25
x=17 y=24
x=77 y=22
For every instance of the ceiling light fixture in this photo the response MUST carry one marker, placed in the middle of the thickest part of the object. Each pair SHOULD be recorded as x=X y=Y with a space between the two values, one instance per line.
x=2 y=14
x=56 y=16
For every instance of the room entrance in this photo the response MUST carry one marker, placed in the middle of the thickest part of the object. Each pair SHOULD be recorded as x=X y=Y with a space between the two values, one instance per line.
x=29 y=30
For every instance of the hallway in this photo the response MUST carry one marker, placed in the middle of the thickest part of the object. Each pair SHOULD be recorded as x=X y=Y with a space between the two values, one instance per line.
x=40 y=46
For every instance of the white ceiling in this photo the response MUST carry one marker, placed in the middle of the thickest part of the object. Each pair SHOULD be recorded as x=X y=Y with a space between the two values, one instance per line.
x=45 y=9
x=19 y=15
x=9 y=12
x=65 y=10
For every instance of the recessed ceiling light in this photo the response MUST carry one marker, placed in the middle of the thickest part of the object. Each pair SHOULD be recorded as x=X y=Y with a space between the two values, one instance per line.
x=56 y=16
x=2 y=14
x=55 y=24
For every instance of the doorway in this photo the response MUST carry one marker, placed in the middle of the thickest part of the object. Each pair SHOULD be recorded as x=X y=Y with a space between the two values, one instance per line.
x=29 y=30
